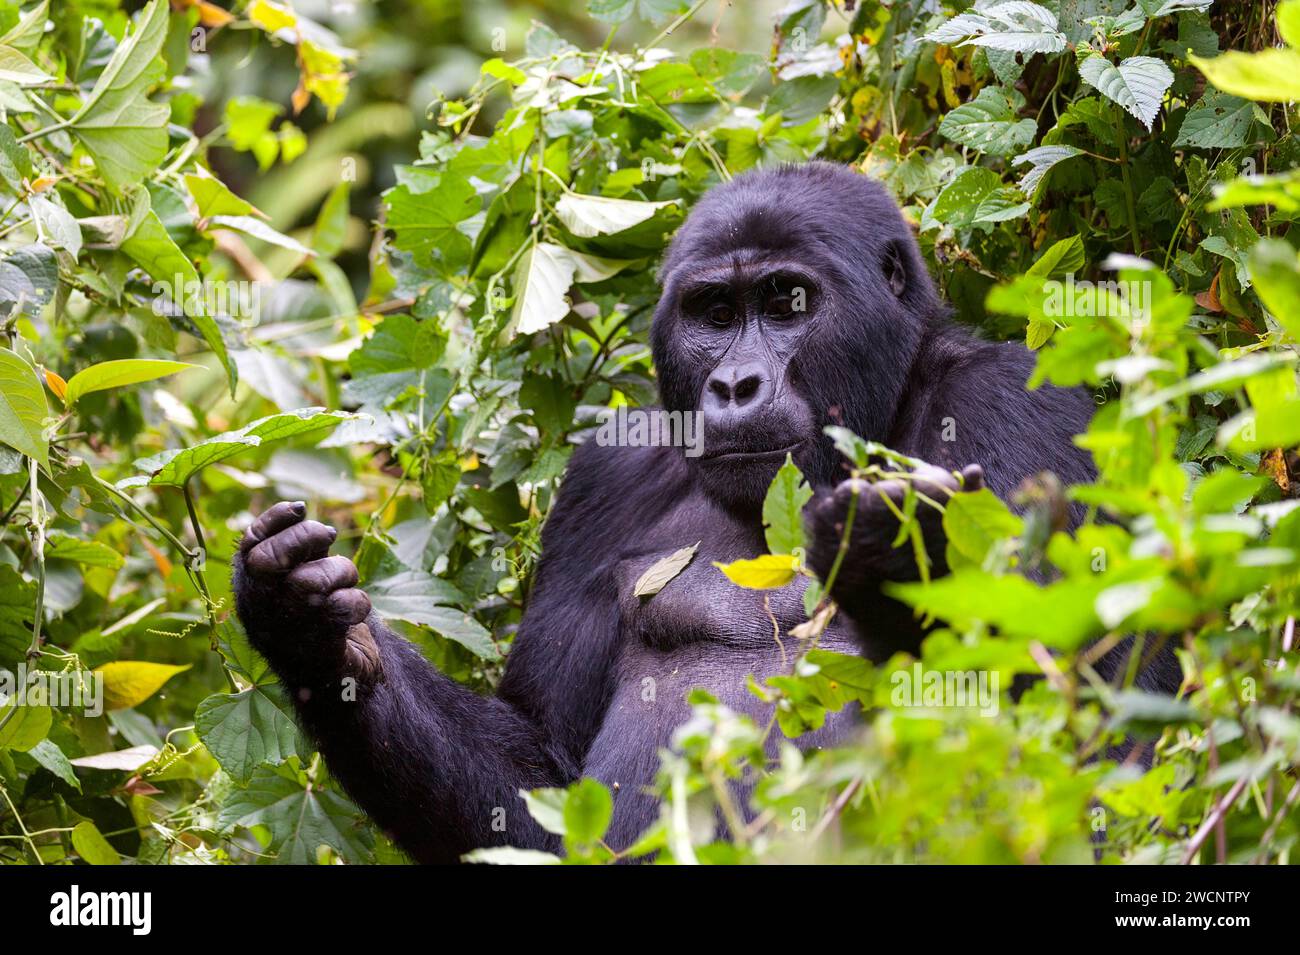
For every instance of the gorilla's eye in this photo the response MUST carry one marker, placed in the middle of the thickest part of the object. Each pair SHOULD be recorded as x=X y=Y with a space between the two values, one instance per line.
x=720 y=314
x=779 y=305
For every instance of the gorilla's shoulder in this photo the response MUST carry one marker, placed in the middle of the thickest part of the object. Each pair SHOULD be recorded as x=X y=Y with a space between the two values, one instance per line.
x=606 y=486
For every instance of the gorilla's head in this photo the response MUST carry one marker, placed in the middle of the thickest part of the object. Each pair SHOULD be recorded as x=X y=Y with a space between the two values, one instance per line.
x=792 y=299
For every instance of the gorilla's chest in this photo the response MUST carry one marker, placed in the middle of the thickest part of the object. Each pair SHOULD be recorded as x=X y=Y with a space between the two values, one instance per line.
x=699 y=604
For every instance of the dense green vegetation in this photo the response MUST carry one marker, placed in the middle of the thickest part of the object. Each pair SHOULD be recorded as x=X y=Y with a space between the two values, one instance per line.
x=207 y=304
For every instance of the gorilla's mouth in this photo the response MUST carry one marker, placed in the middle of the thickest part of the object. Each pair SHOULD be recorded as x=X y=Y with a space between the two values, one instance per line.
x=739 y=454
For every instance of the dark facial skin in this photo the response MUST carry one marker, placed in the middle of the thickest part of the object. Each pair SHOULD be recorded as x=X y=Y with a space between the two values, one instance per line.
x=440 y=767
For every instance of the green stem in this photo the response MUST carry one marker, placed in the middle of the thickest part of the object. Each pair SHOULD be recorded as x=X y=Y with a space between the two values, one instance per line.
x=44 y=131
x=1130 y=202
x=36 y=530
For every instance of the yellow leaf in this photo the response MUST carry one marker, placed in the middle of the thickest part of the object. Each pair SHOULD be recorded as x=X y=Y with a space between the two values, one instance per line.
x=56 y=383
x=762 y=573
x=129 y=683
x=211 y=15
x=271 y=16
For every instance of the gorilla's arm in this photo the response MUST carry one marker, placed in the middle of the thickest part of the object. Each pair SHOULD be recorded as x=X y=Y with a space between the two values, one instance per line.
x=436 y=765
x=965 y=411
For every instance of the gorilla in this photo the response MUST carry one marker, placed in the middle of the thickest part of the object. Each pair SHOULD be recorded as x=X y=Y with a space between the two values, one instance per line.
x=793 y=298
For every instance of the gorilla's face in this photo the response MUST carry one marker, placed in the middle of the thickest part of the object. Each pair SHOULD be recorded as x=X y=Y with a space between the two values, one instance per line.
x=792 y=300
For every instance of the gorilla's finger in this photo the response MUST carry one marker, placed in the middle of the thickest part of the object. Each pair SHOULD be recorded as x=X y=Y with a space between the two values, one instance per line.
x=271 y=521
x=972 y=477
x=349 y=606
x=324 y=575
x=309 y=540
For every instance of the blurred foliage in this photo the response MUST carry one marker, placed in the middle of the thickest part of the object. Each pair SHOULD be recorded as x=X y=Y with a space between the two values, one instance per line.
x=276 y=250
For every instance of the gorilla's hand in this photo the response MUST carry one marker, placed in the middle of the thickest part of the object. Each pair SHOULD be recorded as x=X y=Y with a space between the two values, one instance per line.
x=870 y=557
x=301 y=608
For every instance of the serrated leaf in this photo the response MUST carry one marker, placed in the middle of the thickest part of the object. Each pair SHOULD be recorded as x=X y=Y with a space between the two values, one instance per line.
x=1016 y=26
x=129 y=683
x=989 y=123
x=661 y=572
x=1041 y=160
x=976 y=196
x=765 y=572
x=425 y=223
x=1218 y=121
x=1137 y=84
x=301 y=820
x=118 y=374
x=244 y=730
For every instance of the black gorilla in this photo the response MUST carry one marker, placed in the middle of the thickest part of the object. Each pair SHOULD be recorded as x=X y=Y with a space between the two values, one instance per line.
x=792 y=299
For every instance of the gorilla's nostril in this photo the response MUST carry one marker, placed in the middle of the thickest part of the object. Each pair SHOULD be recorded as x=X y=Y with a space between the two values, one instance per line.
x=720 y=388
x=747 y=387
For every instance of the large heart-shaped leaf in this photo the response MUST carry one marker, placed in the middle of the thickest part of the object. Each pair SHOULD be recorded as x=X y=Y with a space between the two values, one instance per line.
x=1138 y=84
x=22 y=408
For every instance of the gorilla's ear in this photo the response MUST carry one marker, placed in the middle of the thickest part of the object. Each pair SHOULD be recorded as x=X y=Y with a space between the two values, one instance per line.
x=893 y=264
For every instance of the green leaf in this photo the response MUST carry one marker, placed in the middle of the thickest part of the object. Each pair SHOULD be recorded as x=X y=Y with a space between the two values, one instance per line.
x=48 y=754
x=177 y=466
x=765 y=572
x=1017 y=27
x=989 y=123
x=588 y=809
x=150 y=246
x=92 y=846
x=977 y=521
x=22 y=408
x=1275 y=272
x=331 y=228
x=1061 y=258
x=783 y=509
x=22 y=727
x=425 y=223
x=87 y=553
x=214 y=198
x=1218 y=121
x=117 y=374
x=1137 y=84
x=1041 y=160
x=252 y=226
x=15 y=161
x=976 y=196
x=27 y=32
x=661 y=572
x=1269 y=76
x=588 y=216
x=244 y=730
x=125 y=132
x=541 y=283
x=17 y=68
x=300 y=818
x=57 y=226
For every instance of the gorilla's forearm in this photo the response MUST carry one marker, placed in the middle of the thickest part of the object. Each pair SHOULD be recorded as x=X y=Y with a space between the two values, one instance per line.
x=436 y=765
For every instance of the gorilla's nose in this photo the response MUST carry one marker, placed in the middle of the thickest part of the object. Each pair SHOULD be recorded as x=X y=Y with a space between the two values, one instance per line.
x=737 y=390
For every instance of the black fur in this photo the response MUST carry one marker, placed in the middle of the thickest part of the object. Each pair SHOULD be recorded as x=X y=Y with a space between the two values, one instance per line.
x=596 y=682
